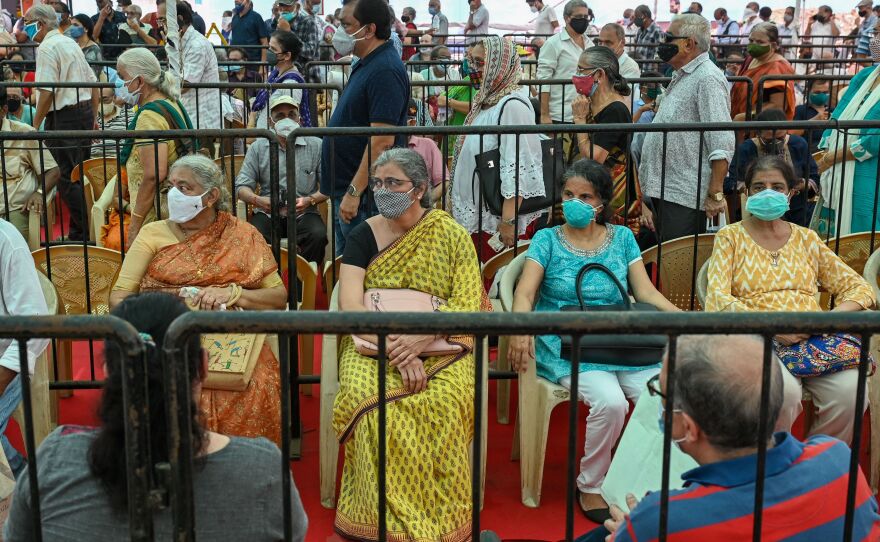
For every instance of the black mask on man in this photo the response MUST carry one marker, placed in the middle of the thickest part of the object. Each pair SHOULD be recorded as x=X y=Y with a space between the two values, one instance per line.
x=667 y=51
x=579 y=25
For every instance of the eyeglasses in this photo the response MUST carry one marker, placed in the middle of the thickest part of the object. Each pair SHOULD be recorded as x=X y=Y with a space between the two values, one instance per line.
x=390 y=183
x=602 y=43
x=654 y=387
x=586 y=71
x=667 y=37
x=581 y=18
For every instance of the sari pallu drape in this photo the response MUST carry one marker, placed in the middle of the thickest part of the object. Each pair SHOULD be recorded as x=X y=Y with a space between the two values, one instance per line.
x=429 y=433
x=228 y=251
x=740 y=92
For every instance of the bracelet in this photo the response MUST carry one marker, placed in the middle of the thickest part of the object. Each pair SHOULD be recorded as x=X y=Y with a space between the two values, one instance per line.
x=134 y=214
x=235 y=295
x=508 y=221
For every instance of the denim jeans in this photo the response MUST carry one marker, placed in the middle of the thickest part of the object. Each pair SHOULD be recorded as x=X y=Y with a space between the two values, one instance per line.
x=341 y=229
x=8 y=403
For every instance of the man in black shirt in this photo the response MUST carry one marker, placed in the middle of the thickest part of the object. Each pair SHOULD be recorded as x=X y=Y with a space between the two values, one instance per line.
x=107 y=22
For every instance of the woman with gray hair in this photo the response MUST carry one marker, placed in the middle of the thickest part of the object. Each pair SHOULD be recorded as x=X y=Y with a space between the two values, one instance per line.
x=409 y=257
x=157 y=94
x=217 y=262
x=601 y=99
x=762 y=62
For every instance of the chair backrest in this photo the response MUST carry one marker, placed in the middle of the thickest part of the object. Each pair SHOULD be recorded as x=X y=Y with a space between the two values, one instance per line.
x=854 y=250
x=49 y=292
x=509 y=279
x=68 y=274
x=97 y=172
x=677 y=272
x=872 y=272
x=331 y=273
x=307 y=273
x=703 y=284
x=230 y=165
x=491 y=267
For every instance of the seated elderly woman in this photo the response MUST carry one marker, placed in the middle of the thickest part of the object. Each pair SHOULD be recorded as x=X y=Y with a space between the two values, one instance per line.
x=79 y=465
x=552 y=264
x=409 y=249
x=201 y=245
x=767 y=264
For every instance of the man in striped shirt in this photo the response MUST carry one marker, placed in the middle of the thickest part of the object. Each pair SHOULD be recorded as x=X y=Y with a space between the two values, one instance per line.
x=716 y=420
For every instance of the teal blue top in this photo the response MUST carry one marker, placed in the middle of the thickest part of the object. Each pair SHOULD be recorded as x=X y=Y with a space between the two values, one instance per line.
x=27 y=115
x=561 y=263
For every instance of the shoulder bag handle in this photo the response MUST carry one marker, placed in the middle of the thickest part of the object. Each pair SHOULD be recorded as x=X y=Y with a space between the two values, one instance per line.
x=599 y=267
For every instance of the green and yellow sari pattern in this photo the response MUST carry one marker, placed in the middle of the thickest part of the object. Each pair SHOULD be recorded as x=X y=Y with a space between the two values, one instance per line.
x=429 y=433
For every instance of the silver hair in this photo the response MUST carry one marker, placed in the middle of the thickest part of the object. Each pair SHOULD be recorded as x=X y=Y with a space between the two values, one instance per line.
x=140 y=62
x=207 y=174
x=696 y=27
x=43 y=14
x=572 y=5
x=413 y=166
x=604 y=58
x=137 y=8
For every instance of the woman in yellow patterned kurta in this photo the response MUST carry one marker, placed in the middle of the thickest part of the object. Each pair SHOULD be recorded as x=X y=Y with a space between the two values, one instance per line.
x=768 y=264
x=430 y=418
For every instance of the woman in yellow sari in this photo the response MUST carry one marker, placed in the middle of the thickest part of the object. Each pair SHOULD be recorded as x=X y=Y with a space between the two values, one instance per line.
x=230 y=265
x=430 y=418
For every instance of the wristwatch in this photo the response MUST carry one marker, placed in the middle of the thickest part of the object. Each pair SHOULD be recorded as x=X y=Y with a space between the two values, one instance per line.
x=717 y=196
x=353 y=192
x=509 y=221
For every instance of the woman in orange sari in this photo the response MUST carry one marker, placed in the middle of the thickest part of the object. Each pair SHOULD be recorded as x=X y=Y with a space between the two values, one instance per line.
x=229 y=266
x=763 y=60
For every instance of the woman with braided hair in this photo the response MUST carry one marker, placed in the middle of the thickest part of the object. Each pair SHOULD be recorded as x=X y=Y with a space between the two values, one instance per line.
x=494 y=69
x=601 y=99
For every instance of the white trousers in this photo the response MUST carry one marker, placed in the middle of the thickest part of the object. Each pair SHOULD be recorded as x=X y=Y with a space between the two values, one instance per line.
x=834 y=397
x=606 y=394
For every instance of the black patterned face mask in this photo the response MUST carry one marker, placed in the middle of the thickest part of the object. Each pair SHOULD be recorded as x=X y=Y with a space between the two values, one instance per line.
x=392 y=204
x=874 y=46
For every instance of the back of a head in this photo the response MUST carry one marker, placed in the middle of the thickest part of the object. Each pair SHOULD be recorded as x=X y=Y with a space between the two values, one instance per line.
x=141 y=62
x=375 y=12
x=151 y=314
x=43 y=14
x=718 y=384
x=771 y=115
x=765 y=12
x=184 y=14
x=644 y=11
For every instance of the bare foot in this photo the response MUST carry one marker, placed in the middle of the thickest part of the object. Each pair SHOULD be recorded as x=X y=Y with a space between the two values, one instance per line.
x=592 y=501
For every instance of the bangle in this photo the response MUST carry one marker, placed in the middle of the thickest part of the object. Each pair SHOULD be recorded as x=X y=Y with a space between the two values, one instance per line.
x=136 y=215
x=508 y=221
x=235 y=295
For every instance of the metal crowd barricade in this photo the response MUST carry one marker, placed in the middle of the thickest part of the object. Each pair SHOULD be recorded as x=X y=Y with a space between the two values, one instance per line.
x=139 y=475
x=864 y=324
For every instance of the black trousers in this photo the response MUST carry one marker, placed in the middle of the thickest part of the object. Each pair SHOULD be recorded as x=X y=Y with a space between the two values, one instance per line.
x=69 y=153
x=673 y=220
x=311 y=233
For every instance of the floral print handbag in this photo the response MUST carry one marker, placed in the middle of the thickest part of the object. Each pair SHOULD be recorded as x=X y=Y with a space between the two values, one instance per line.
x=823 y=354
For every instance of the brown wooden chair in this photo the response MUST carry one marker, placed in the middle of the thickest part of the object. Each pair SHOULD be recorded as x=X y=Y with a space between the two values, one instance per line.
x=488 y=272
x=675 y=275
x=307 y=273
x=69 y=265
x=95 y=173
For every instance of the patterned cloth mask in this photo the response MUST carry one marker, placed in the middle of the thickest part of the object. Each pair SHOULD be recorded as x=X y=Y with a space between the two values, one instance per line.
x=392 y=204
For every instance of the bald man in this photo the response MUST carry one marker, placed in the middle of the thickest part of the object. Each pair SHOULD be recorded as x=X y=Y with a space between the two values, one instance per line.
x=716 y=420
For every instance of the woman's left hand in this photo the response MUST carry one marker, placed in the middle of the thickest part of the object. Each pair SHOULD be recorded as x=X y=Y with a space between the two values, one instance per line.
x=403 y=350
x=211 y=299
x=506 y=232
x=580 y=107
x=791 y=338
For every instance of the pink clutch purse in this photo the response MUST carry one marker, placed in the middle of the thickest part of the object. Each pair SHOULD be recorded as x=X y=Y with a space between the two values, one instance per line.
x=404 y=300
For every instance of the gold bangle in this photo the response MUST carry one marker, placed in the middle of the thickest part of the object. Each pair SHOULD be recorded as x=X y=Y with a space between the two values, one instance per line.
x=235 y=295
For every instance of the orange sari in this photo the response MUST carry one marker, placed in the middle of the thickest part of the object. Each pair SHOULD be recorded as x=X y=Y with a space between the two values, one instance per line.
x=740 y=92
x=228 y=251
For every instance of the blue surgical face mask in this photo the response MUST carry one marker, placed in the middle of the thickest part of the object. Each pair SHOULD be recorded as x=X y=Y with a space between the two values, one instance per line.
x=229 y=68
x=433 y=11
x=661 y=423
x=31 y=30
x=578 y=214
x=288 y=16
x=767 y=204
x=75 y=32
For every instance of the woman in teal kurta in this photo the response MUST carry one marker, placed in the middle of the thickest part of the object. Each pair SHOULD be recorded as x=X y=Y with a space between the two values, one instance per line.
x=850 y=163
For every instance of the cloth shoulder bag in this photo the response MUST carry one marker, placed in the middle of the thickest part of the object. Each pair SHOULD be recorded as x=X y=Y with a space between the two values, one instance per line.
x=404 y=300
x=488 y=172
x=625 y=350
x=823 y=355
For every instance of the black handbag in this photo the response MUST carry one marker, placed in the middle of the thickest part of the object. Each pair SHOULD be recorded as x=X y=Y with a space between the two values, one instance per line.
x=489 y=173
x=626 y=350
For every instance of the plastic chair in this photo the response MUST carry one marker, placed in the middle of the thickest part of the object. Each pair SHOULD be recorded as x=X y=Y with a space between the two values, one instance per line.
x=68 y=272
x=676 y=269
x=44 y=419
x=537 y=399
x=307 y=273
x=872 y=272
x=35 y=219
x=331 y=274
x=854 y=250
x=95 y=174
x=328 y=444
x=489 y=270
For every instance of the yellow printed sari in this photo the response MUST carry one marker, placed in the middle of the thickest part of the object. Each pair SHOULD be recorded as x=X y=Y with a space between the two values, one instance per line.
x=429 y=433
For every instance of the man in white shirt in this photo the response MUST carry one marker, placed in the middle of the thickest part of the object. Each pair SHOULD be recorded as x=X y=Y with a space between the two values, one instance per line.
x=439 y=23
x=546 y=23
x=822 y=25
x=60 y=60
x=199 y=66
x=478 y=21
x=750 y=18
x=613 y=36
x=789 y=35
x=20 y=295
x=726 y=29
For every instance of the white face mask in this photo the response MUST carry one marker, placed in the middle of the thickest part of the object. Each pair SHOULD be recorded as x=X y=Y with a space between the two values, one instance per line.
x=344 y=42
x=183 y=208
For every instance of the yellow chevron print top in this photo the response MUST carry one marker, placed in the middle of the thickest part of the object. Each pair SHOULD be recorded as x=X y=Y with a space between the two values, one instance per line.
x=744 y=276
